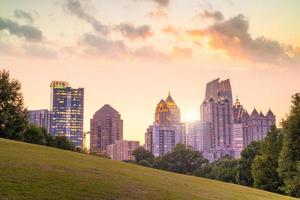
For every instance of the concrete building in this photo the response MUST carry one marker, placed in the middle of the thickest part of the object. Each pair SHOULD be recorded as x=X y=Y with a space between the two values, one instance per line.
x=39 y=118
x=248 y=128
x=167 y=130
x=216 y=110
x=122 y=149
x=86 y=141
x=106 y=128
x=67 y=108
x=257 y=125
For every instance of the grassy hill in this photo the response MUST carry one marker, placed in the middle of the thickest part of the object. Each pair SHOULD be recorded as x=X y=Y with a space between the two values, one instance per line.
x=36 y=172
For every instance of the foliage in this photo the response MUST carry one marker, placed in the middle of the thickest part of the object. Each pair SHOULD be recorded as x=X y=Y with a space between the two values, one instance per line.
x=35 y=134
x=142 y=154
x=290 y=153
x=13 y=115
x=244 y=175
x=145 y=163
x=181 y=160
x=224 y=169
x=264 y=167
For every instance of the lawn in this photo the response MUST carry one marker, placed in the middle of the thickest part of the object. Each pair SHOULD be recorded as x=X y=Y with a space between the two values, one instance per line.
x=36 y=172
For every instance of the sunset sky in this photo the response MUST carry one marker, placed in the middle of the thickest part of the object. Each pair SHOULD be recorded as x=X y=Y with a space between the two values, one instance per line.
x=131 y=53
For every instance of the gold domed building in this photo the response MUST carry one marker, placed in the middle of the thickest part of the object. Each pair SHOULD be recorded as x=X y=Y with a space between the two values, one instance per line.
x=167 y=130
x=167 y=112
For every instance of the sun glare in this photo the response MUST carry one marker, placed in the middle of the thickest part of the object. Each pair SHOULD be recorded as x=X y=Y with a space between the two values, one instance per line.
x=190 y=116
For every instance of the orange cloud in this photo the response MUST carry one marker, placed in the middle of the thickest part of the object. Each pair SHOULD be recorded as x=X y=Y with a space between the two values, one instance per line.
x=159 y=14
x=233 y=37
x=178 y=52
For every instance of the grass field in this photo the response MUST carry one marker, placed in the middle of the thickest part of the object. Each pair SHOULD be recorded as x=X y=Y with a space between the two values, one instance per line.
x=36 y=172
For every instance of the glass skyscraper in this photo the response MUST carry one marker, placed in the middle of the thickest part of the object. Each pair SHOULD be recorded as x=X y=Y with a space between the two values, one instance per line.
x=66 y=111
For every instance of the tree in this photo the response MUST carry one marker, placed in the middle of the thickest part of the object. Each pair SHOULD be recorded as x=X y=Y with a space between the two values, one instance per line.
x=13 y=115
x=142 y=154
x=145 y=163
x=62 y=142
x=289 y=158
x=265 y=165
x=35 y=134
x=181 y=160
x=224 y=169
x=244 y=175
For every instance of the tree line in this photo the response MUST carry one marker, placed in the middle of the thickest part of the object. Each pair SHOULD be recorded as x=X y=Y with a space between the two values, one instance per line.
x=14 y=122
x=272 y=164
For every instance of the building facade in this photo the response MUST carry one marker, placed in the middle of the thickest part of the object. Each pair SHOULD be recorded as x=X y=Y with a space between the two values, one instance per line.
x=122 y=150
x=167 y=130
x=106 y=128
x=66 y=111
x=40 y=118
x=216 y=110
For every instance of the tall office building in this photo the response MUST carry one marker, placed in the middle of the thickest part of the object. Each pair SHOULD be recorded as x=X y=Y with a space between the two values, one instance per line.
x=106 y=128
x=216 y=110
x=39 y=118
x=257 y=125
x=122 y=149
x=167 y=130
x=248 y=128
x=66 y=108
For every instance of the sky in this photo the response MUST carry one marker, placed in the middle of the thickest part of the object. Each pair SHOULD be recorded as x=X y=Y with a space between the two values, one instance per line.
x=131 y=53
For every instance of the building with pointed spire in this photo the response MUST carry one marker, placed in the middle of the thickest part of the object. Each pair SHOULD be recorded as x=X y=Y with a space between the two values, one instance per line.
x=106 y=128
x=167 y=129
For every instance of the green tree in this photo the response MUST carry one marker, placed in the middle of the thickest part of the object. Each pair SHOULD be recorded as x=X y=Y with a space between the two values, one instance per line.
x=62 y=142
x=142 y=154
x=289 y=158
x=181 y=160
x=224 y=169
x=265 y=165
x=13 y=115
x=35 y=134
x=244 y=175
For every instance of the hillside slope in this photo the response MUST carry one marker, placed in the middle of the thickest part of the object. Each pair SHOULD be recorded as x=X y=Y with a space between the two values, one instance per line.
x=36 y=172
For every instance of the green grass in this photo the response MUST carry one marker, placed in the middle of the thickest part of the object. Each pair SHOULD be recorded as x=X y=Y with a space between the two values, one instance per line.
x=36 y=172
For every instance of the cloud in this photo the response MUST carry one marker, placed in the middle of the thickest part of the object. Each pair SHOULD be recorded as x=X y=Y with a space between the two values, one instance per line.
x=28 y=32
x=20 y=14
x=234 y=38
x=150 y=53
x=132 y=32
x=75 y=8
x=182 y=52
x=104 y=47
x=171 y=30
x=39 y=51
x=215 y=15
x=158 y=14
x=160 y=3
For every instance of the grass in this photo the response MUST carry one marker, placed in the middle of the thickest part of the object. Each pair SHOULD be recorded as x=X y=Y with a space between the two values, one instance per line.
x=36 y=172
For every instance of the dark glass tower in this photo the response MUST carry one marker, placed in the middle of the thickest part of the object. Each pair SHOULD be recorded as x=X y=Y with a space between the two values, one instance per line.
x=67 y=112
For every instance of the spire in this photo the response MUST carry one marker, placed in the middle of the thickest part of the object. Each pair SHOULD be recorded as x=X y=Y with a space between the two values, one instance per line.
x=237 y=102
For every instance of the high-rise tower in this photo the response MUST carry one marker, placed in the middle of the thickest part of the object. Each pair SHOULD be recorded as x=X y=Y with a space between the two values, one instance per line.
x=66 y=111
x=167 y=130
x=216 y=110
x=106 y=128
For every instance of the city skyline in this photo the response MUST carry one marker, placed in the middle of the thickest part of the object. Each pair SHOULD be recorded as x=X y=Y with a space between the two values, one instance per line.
x=129 y=53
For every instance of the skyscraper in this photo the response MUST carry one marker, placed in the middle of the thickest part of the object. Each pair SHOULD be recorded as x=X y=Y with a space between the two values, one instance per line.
x=167 y=130
x=248 y=128
x=106 y=128
x=216 y=110
x=66 y=108
x=39 y=118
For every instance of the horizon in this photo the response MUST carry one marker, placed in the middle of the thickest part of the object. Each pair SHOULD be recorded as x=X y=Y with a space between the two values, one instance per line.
x=130 y=58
